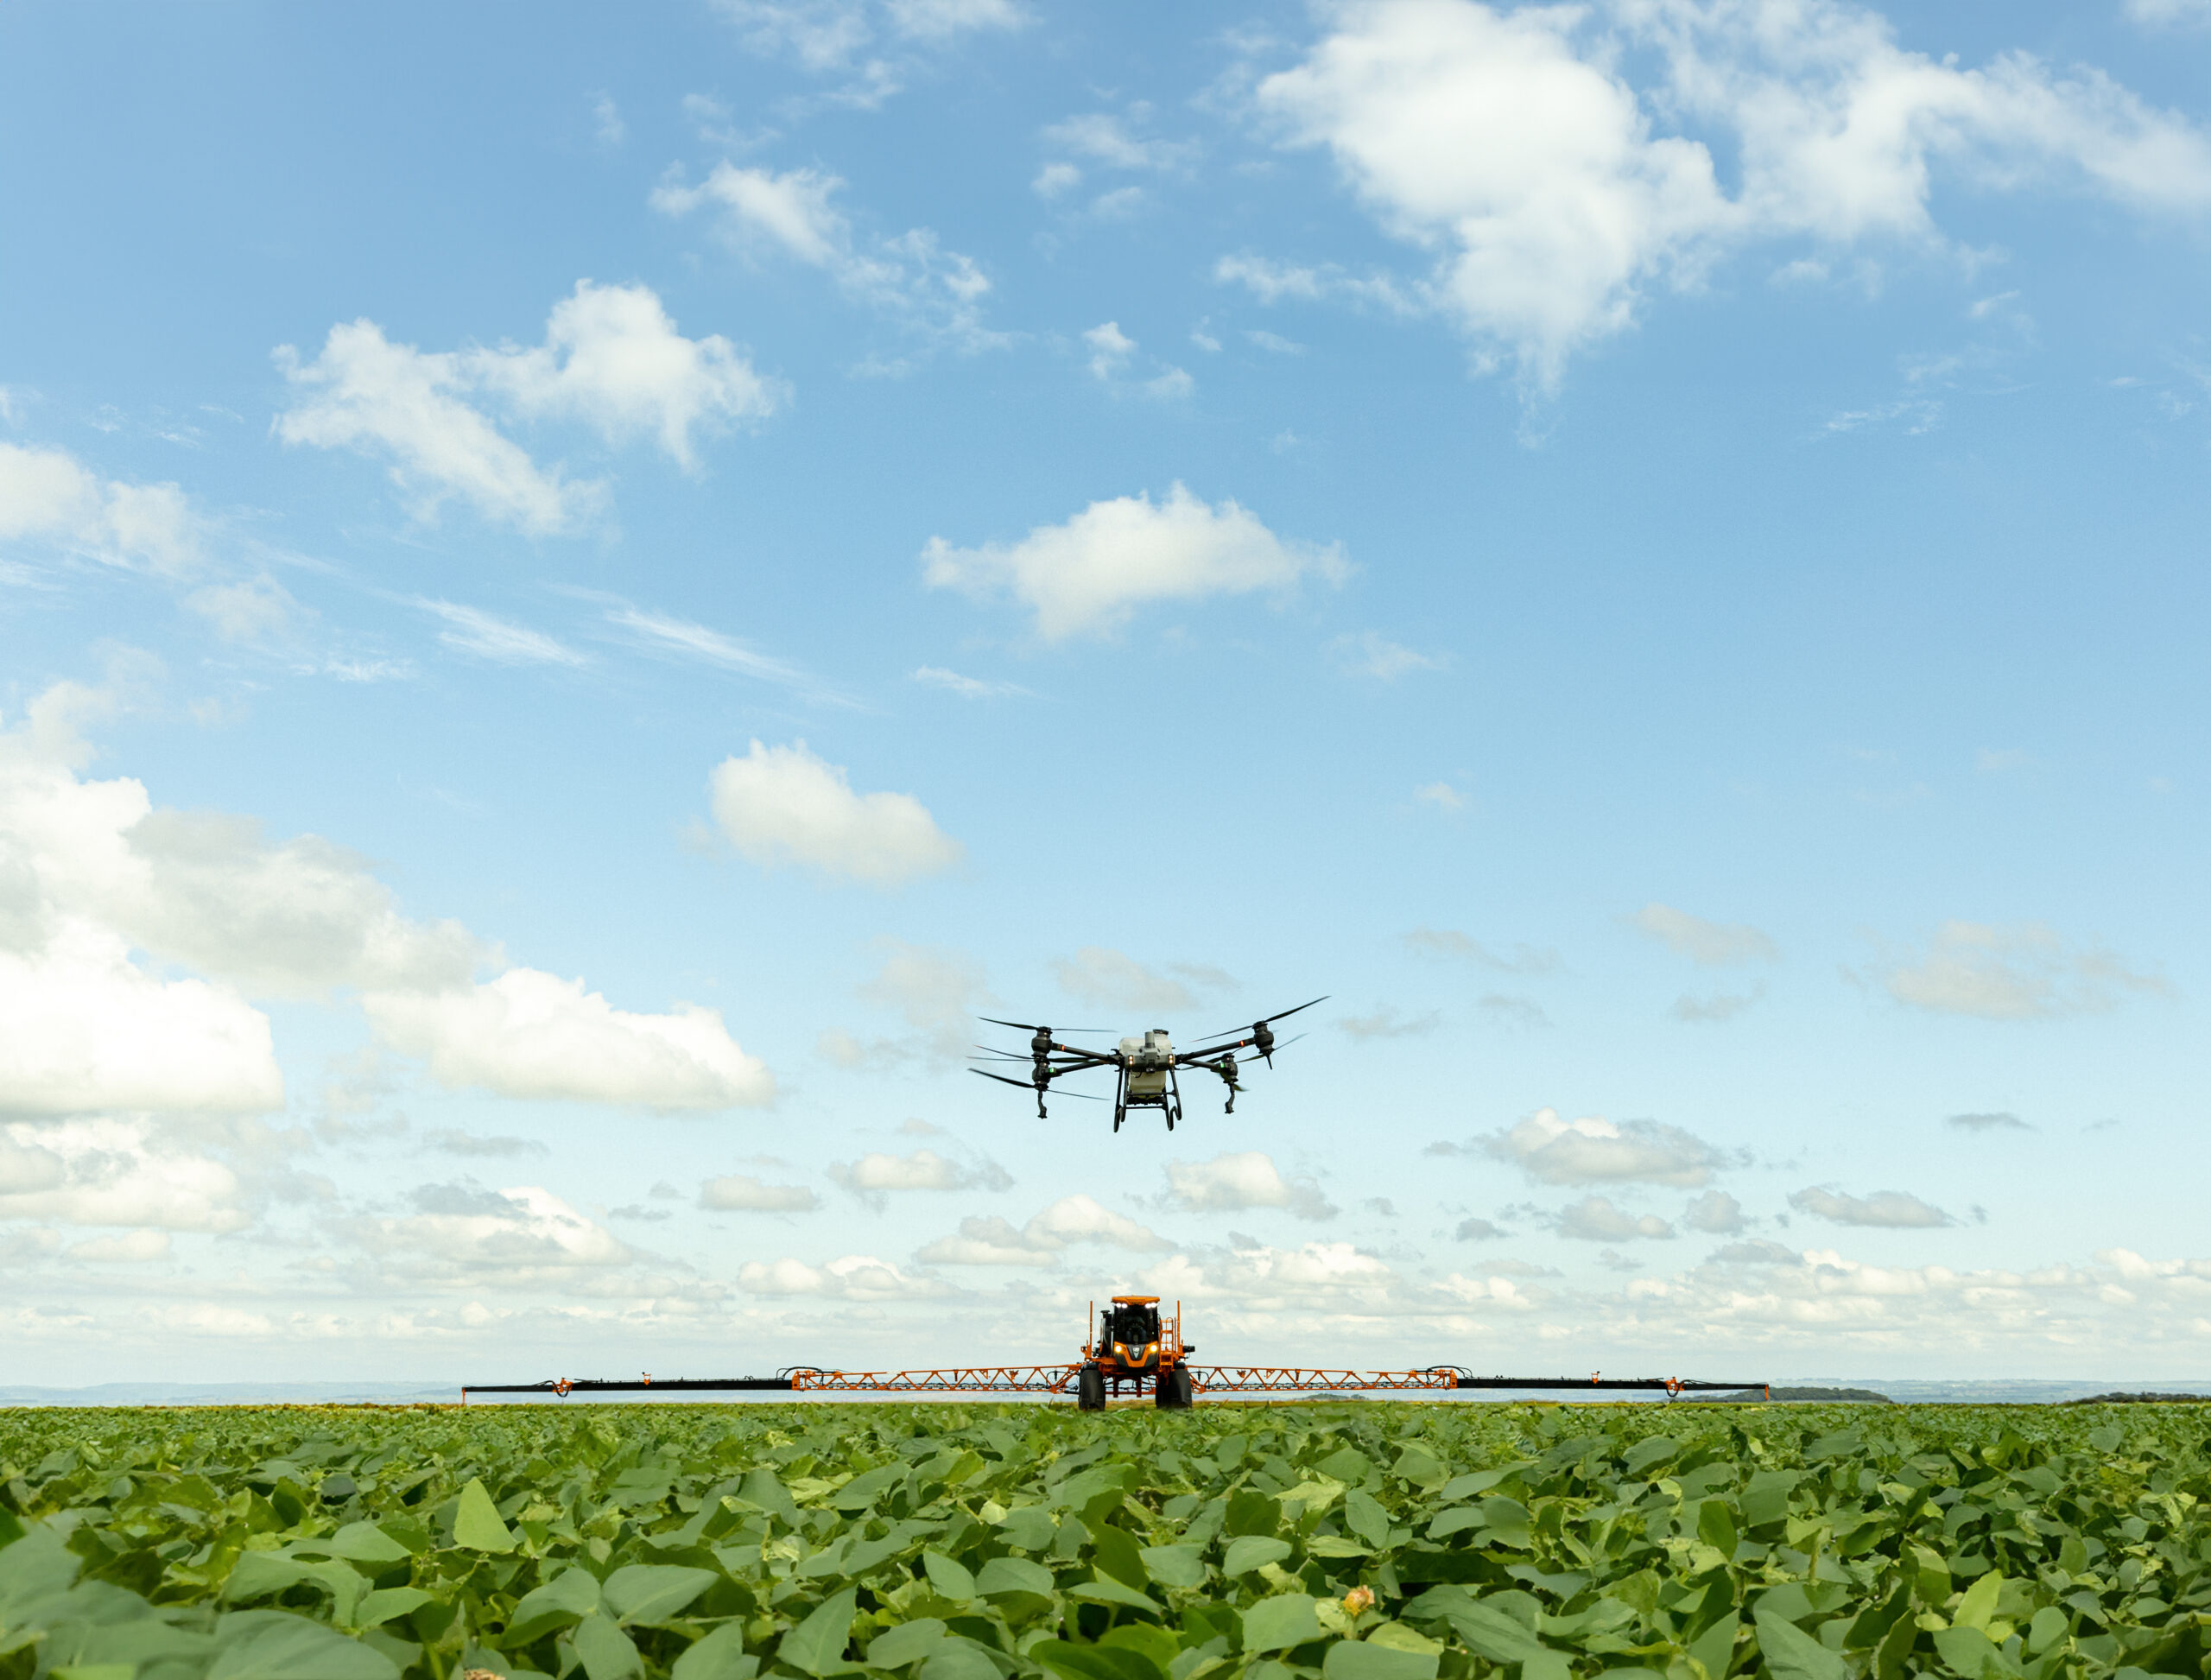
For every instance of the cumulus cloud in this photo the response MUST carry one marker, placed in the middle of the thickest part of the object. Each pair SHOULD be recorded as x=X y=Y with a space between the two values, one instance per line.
x=1890 y=1209
x=1716 y=1213
x=994 y=1241
x=50 y=499
x=520 y=1236
x=2015 y=974
x=936 y=991
x=1596 y=1150
x=854 y=1277
x=1389 y=1023
x=531 y=1034
x=1248 y=1179
x=1090 y=575
x=1372 y=654
x=1112 y=980
x=877 y=1176
x=612 y=360
x=784 y=805
x=1450 y=942
x=1713 y=1007
x=106 y=1171
x=738 y=1192
x=1595 y=1219
x=1710 y=942
x=1514 y=146
x=910 y=277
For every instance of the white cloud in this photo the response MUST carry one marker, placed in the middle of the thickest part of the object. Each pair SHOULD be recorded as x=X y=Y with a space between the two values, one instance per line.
x=531 y=1034
x=936 y=991
x=251 y=610
x=1112 y=980
x=967 y=687
x=1595 y=1219
x=1890 y=1209
x=1514 y=146
x=1111 y=354
x=526 y=1234
x=910 y=277
x=994 y=1241
x=131 y=1248
x=83 y=1027
x=876 y=1175
x=607 y=126
x=782 y=804
x=116 y=1172
x=1372 y=654
x=663 y=631
x=2160 y=14
x=1596 y=1150
x=1995 y=1122
x=1713 y=1007
x=1450 y=942
x=611 y=359
x=1441 y=795
x=827 y=34
x=1388 y=1022
x=50 y=499
x=854 y=1277
x=1709 y=943
x=1249 y=1179
x=2014 y=973
x=1106 y=139
x=1715 y=1212
x=1089 y=576
x=738 y=1192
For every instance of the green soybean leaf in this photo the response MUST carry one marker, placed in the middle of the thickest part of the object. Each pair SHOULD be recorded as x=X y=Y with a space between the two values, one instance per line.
x=560 y=1602
x=1115 y=1552
x=1248 y=1552
x=1095 y=1662
x=1361 y=1659
x=959 y=1659
x=273 y=1644
x=379 y=1607
x=1277 y=1623
x=948 y=1576
x=1103 y=1590
x=719 y=1656
x=1715 y=1647
x=1790 y=1654
x=816 y=1646
x=1012 y=1575
x=606 y=1651
x=1489 y=1632
x=645 y=1594
x=476 y=1523
x=1175 y=1566
x=1364 y=1515
x=909 y=1642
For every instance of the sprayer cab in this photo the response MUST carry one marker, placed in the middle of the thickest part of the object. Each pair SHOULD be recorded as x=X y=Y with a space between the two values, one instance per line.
x=1134 y=1348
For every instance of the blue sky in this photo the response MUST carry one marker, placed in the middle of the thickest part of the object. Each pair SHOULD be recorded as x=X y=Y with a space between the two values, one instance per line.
x=578 y=595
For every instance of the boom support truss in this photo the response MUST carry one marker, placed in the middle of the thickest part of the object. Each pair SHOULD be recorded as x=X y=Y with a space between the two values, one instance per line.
x=1060 y=1380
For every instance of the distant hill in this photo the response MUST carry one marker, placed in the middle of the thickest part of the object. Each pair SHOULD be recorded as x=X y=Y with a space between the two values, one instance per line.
x=2122 y=1399
x=1829 y=1396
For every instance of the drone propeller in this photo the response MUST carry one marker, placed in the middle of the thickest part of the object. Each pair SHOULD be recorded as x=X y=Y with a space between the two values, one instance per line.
x=1025 y=1085
x=1267 y=1021
x=1028 y=1027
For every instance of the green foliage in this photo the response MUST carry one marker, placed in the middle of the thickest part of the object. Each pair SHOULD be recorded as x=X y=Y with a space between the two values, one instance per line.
x=1370 y=1542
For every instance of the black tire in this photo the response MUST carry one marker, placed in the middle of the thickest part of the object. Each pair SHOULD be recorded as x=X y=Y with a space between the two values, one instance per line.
x=1090 y=1389
x=1175 y=1391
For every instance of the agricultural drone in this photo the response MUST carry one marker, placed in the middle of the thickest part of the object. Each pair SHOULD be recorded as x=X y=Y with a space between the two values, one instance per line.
x=1144 y=1066
x=1137 y=1350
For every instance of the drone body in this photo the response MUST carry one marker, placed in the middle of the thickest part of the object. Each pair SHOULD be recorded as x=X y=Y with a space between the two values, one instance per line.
x=1144 y=1065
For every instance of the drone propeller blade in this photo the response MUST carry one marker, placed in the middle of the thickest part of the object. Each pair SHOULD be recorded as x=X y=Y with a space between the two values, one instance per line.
x=1027 y=1027
x=1267 y=1020
x=1017 y=1084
